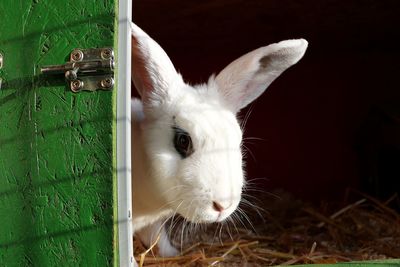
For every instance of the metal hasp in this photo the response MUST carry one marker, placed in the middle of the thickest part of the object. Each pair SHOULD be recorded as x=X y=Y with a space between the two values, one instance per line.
x=88 y=69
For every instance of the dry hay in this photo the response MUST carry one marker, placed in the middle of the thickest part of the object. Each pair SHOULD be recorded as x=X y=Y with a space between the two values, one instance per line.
x=290 y=232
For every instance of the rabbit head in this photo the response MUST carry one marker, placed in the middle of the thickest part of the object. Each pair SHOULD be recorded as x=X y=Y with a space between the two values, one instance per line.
x=190 y=134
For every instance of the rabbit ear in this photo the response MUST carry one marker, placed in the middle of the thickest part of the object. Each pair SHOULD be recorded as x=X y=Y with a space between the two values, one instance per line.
x=246 y=78
x=152 y=71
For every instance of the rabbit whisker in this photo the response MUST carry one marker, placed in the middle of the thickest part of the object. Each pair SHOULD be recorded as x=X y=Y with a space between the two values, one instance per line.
x=174 y=188
x=252 y=138
x=231 y=219
x=173 y=216
x=246 y=118
x=243 y=213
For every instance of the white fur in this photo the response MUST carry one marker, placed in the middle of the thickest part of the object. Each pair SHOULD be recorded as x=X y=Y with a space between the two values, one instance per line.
x=163 y=183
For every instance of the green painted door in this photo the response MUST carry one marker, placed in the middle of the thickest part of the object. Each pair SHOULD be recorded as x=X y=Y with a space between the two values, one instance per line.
x=57 y=179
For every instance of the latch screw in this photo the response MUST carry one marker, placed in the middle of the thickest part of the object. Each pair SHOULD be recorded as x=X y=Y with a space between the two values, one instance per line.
x=106 y=53
x=77 y=55
x=107 y=83
x=76 y=85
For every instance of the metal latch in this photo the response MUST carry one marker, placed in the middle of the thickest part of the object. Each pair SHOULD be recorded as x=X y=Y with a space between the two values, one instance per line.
x=88 y=69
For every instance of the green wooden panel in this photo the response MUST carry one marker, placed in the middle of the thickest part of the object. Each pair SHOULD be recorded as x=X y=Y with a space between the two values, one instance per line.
x=56 y=147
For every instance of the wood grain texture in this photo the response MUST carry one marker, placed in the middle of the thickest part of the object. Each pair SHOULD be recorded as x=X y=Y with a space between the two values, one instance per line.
x=56 y=198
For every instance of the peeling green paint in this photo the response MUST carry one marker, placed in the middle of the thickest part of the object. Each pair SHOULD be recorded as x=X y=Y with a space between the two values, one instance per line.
x=56 y=147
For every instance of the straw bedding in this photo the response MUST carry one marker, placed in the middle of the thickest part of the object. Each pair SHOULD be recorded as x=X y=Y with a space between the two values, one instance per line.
x=287 y=231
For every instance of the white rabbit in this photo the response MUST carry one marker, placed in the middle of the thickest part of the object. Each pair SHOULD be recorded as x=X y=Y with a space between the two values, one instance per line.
x=186 y=139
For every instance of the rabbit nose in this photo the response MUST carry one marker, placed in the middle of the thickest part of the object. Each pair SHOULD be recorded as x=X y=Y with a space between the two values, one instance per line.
x=218 y=207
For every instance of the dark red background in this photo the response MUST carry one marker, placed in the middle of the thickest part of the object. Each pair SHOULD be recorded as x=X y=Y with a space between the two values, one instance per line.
x=310 y=117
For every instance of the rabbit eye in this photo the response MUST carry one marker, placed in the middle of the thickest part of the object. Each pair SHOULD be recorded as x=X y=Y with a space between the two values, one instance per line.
x=182 y=142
